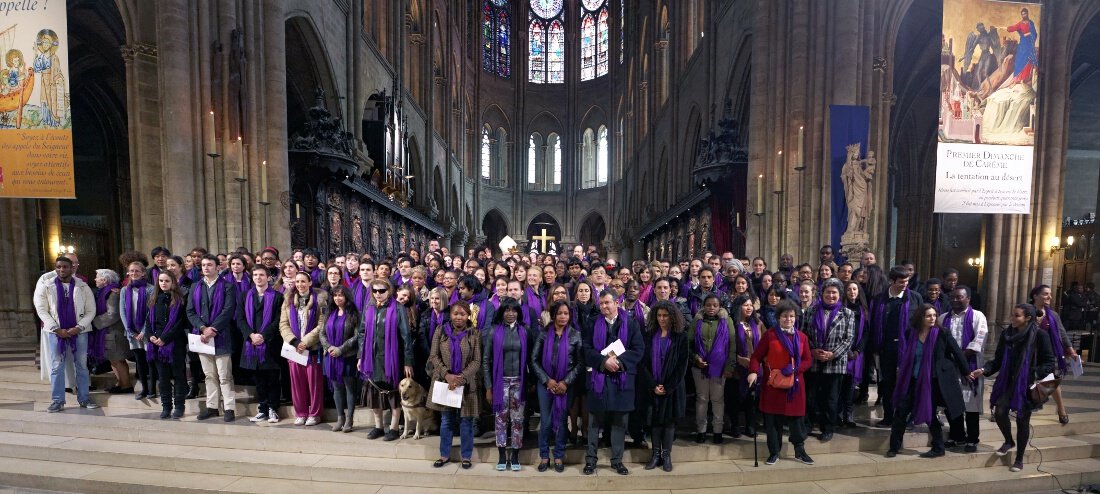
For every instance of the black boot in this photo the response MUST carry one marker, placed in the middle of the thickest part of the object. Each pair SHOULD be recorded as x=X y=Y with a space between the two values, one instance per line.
x=193 y=391
x=656 y=460
x=666 y=458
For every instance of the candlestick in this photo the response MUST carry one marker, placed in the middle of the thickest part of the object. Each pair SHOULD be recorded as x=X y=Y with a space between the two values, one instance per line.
x=760 y=194
x=263 y=181
x=211 y=139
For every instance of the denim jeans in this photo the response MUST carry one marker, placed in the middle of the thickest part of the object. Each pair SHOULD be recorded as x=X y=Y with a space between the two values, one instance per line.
x=447 y=432
x=78 y=359
x=546 y=432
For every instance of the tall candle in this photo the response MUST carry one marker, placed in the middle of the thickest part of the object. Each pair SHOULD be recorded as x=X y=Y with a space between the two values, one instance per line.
x=263 y=181
x=760 y=194
x=211 y=133
x=240 y=157
x=779 y=168
x=801 y=137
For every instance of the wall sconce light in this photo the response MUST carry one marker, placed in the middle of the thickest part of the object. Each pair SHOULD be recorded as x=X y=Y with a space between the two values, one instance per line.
x=974 y=262
x=65 y=249
x=1056 y=244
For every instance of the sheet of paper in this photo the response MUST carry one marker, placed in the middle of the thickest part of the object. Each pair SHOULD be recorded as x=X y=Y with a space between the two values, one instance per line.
x=195 y=344
x=615 y=347
x=1076 y=367
x=441 y=395
x=1049 y=377
x=290 y=353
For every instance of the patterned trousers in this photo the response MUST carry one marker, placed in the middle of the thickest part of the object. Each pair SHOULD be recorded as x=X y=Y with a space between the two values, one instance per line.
x=510 y=417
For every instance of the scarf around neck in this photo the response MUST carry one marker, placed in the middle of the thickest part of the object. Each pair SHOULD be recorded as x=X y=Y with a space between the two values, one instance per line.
x=334 y=332
x=719 y=348
x=390 y=371
x=257 y=354
x=66 y=312
x=923 y=407
x=1022 y=366
x=599 y=340
x=791 y=343
x=135 y=319
x=556 y=365
x=164 y=352
x=498 y=364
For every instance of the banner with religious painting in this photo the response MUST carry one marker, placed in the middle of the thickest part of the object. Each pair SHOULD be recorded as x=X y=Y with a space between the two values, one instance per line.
x=989 y=70
x=36 y=141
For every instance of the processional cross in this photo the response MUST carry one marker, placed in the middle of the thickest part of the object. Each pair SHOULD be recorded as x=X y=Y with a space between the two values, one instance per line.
x=544 y=240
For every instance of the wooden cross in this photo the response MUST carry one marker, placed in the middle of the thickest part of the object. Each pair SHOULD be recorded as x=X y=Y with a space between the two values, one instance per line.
x=544 y=239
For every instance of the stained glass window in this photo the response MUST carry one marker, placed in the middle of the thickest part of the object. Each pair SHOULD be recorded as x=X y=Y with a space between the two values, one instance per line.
x=496 y=38
x=546 y=31
x=594 y=39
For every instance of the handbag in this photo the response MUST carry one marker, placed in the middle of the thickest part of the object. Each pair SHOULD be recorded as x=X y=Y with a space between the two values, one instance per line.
x=1040 y=392
x=777 y=380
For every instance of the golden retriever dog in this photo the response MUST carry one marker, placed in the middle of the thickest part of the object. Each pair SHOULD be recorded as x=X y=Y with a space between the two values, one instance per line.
x=413 y=399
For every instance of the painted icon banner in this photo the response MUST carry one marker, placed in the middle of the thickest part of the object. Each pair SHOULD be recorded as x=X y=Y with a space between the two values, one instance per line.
x=36 y=141
x=988 y=106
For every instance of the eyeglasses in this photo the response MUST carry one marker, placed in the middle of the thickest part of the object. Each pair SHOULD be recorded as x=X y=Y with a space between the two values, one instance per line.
x=379 y=290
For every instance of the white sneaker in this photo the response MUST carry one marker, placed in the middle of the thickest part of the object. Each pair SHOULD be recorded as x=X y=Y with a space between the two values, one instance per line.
x=300 y=421
x=312 y=421
x=260 y=417
x=273 y=417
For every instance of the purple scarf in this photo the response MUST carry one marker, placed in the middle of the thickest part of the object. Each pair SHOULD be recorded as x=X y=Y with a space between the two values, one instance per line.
x=456 y=346
x=923 y=409
x=217 y=300
x=1051 y=327
x=243 y=286
x=436 y=319
x=389 y=357
x=498 y=365
x=636 y=313
x=879 y=321
x=257 y=354
x=556 y=368
x=66 y=313
x=361 y=295
x=317 y=276
x=1018 y=402
x=967 y=333
x=657 y=356
x=599 y=340
x=719 y=348
x=645 y=294
x=97 y=341
x=534 y=300
x=742 y=341
x=135 y=322
x=311 y=319
x=855 y=365
x=790 y=342
x=334 y=331
x=454 y=296
x=161 y=353
x=821 y=324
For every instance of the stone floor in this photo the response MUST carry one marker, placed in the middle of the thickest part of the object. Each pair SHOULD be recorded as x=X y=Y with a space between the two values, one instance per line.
x=124 y=447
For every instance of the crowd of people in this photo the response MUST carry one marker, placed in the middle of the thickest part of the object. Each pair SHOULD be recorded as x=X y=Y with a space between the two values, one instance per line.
x=599 y=350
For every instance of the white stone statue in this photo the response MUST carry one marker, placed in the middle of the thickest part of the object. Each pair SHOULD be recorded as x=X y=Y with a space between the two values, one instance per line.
x=856 y=176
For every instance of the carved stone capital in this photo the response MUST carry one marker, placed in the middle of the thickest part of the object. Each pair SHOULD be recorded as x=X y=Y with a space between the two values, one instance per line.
x=642 y=86
x=130 y=52
x=416 y=38
x=661 y=45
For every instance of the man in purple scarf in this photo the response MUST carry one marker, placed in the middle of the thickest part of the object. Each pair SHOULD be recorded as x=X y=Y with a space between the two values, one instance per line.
x=611 y=390
x=66 y=306
x=889 y=318
x=211 y=307
x=258 y=322
x=969 y=328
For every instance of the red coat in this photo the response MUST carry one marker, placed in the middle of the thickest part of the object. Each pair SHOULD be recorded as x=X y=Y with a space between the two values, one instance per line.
x=775 y=356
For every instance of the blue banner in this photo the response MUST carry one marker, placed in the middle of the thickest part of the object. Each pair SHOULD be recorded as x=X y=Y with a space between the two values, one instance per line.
x=848 y=125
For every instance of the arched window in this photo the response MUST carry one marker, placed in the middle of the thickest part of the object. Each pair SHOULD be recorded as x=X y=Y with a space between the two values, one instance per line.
x=486 y=155
x=496 y=37
x=553 y=162
x=546 y=30
x=500 y=173
x=594 y=39
x=532 y=161
x=601 y=157
x=588 y=159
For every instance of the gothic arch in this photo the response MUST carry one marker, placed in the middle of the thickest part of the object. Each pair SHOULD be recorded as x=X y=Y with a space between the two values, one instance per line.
x=690 y=150
x=495 y=116
x=307 y=69
x=495 y=227
x=592 y=229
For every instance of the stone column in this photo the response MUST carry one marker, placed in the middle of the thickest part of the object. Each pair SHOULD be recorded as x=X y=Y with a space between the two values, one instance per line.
x=18 y=251
x=144 y=131
x=274 y=90
x=177 y=152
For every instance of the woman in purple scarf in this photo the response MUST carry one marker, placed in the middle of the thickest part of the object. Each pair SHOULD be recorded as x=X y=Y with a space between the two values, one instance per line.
x=454 y=361
x=166 y=344
x=746 y=330
x=340 y=344
x=385 y=356
x=302 y=315
x=1050 y=324
x=505 y=353
x=555 y=361
x=661 y=373
x=1024 y=354
x=108 y=322
x=928 y=376
x=132 y=307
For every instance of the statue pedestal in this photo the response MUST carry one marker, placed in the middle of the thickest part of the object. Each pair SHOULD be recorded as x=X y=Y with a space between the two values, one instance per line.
x=854 y=244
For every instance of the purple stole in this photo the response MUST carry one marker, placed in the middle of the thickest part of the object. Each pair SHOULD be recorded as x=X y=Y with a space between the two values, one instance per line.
x=361 y=295
x=498 y=365
x=390 y=350
x=66 y=313
x=455 y=339
x=967 y=333
x=822 y=324
x=1023 y=373
x=317 y=276
x=923 y=408
x=534 y=300
x=434 y=321
x=794 y=348
x=636 y=313
x=599 y=341
x=217 y=301
x=135 y=322
x=311 y=319
x=878 y=321
x=334 y=331
x=855 y=366
x=257 y=354
x=719 y=348
x=97 y=343
x=1048 y=324
x=556 y=368
x=646 y=294
x=242 y=286
x=162 y=353
x=660 y=346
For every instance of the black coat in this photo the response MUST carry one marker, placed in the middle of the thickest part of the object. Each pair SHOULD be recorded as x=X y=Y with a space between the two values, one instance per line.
x=948 y=366
x=672 y=406
x=614 y=399
x=158 y=326
x=1042 y=361
x=273 y=340
x=575 y=364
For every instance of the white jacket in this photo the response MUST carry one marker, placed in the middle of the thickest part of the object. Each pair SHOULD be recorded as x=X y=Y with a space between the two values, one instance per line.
x=45 y=303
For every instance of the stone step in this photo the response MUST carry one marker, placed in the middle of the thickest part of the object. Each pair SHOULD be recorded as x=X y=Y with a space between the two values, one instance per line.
x=285 y=437
x=116 y=469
